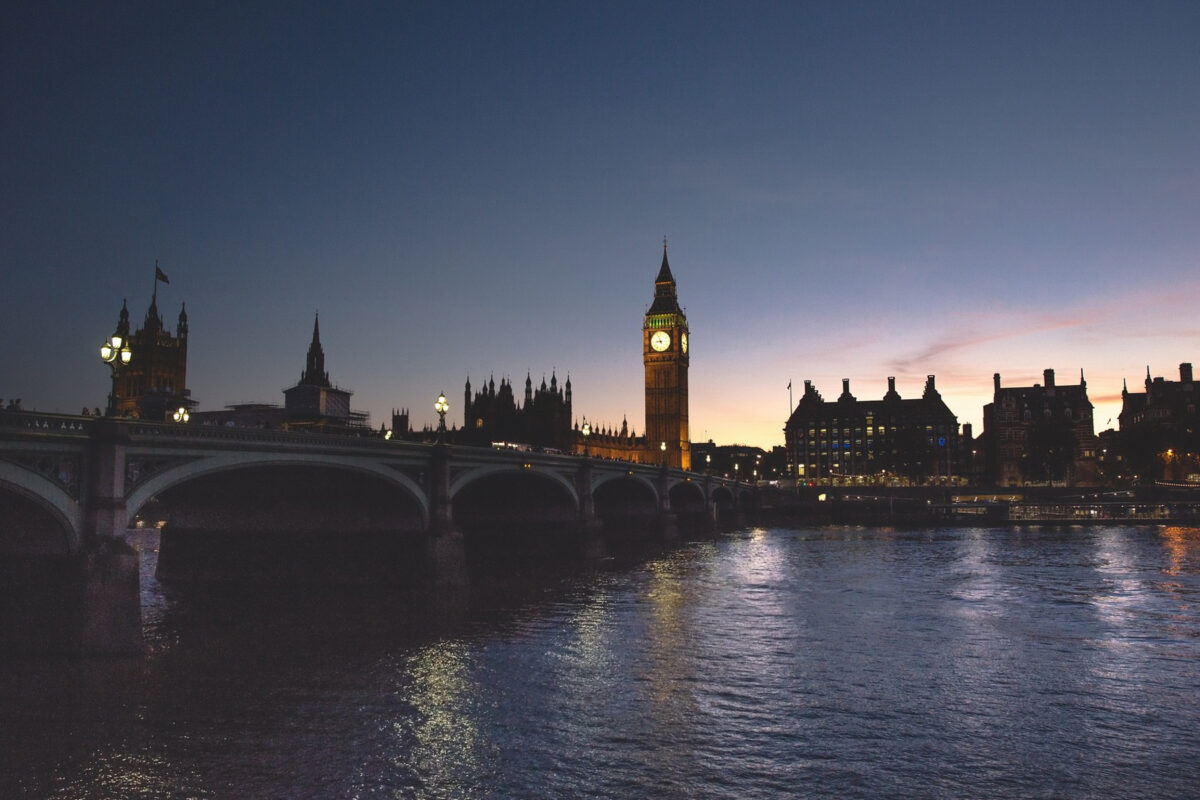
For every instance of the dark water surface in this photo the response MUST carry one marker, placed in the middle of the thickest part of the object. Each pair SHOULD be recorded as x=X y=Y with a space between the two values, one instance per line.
x=769 y=663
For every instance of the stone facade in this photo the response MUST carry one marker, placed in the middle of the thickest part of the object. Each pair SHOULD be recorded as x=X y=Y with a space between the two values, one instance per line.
x=1159 y=429
x=891 y=441
x=1040 y=434
x=666 y=356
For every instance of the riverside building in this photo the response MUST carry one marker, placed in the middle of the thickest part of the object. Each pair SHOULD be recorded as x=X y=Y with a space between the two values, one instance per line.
x=1040 y=434
x=1159 y=429
x=886 y=442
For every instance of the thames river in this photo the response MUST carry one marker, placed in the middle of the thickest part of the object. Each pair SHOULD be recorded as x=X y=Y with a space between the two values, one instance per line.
x=840 y=662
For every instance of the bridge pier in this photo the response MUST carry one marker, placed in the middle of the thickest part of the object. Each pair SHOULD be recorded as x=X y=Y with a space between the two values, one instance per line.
x=84 y=600
x=110 y=615
x=106 y=514
x=445 y=553
x=666 y=521
x=591 y=530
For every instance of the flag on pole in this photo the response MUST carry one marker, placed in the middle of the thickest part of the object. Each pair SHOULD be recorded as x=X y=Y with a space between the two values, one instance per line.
x=159 y=275
x=789 y=386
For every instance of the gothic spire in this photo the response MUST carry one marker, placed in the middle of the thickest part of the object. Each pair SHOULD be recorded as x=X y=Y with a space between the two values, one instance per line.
x=123 y=320
x=665 y=301
x=664 y=271
x=314 y=369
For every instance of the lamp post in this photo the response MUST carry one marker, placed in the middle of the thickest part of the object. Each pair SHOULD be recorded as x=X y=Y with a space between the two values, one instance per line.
x=441 y=406
x=116 y=353
x=586 y=431
x=663 y=447
x=708 y=463
x=181 y=415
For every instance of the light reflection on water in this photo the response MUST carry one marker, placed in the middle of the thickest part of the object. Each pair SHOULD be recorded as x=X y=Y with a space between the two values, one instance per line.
x=849 y=662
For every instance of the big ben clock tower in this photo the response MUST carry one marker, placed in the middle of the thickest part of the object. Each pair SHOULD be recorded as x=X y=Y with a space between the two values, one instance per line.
x=665 y=355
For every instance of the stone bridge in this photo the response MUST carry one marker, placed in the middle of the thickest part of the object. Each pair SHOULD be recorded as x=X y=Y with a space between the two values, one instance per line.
x=70 y=486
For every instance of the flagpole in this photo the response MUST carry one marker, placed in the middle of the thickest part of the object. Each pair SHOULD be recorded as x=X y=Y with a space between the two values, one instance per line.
x=154 y=296
x=790 y=406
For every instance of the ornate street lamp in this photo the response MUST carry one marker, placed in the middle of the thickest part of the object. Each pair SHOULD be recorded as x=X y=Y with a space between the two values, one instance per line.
x=441 y=406
x=116 y=353
x=181 y=415
x=663 y=447
x=587 y=431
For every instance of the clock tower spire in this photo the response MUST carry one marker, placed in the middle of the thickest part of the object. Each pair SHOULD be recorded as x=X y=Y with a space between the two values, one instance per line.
x=665 y=357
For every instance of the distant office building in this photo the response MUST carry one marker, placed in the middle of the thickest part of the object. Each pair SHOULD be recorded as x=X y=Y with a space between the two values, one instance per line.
x=154 y=383
x=1111 y=469
x=891 y=441
x=1040 y=434
x=542 y=419
x=264 y=416
x=743 y=462
x=1159 y=427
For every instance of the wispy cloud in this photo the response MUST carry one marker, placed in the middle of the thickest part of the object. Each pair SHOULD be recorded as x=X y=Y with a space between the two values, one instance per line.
x=1100 y=321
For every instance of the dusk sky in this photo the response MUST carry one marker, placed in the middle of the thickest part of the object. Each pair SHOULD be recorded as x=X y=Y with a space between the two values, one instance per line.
x=849 y=190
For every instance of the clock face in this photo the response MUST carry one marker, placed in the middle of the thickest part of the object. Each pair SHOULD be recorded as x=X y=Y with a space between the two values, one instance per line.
x=660 y=341
x=683 y=342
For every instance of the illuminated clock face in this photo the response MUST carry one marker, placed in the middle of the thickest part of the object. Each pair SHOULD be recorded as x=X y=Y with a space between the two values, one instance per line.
x=683 y=342
x=660 y=341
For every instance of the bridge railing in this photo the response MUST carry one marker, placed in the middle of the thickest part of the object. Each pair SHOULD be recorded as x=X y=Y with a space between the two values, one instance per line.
x=163 y=430
x=44 y=424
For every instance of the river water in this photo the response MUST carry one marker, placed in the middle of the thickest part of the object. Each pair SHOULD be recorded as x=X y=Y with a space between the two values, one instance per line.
x=764 y=663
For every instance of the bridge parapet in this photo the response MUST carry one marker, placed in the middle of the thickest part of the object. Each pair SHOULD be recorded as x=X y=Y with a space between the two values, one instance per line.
x=163 y=431
x=23 y=423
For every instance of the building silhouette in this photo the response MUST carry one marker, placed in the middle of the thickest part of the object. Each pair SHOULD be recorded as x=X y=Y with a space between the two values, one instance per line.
x=153 y=385
x=740 y=461
x=314 y=403
x=604 y=441
x=542 y=419
x=665 y=357
x=1159 y=428
x=1040 y=434
x=891 y=441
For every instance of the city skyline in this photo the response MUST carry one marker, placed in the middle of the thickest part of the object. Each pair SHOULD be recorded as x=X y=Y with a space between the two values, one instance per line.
x=470 y=191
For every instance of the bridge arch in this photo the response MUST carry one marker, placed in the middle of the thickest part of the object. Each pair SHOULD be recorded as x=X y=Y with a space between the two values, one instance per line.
x=491 y=471
x=513 y=494
x=514 y=519
x=686 y=497
x=39 y=516
x=611 y=478
x=625 y=494
x=723 y=499
x=228 y=462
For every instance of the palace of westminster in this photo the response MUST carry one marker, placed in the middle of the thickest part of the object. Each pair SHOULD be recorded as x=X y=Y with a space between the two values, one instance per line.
x=1031 y=434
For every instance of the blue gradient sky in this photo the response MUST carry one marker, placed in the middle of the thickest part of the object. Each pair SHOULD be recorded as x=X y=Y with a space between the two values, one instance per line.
x=849 y=190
